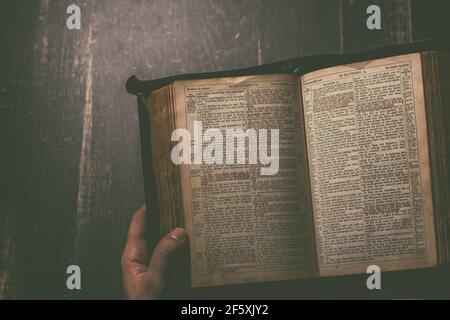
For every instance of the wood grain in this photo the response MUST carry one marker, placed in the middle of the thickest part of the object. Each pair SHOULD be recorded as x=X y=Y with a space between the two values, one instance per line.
x=72 y=174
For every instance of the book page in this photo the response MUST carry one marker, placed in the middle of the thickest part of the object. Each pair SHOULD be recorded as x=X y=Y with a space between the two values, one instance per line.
x=246 y=221
x=369 y=166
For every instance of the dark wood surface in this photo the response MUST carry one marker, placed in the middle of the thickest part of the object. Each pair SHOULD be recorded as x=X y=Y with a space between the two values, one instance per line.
x=71 y=173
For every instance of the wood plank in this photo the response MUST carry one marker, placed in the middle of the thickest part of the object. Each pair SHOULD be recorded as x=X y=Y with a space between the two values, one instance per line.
x=429 y=18
x=14 y=85
x=395 y=24
x=297 y=28
x=48 y=131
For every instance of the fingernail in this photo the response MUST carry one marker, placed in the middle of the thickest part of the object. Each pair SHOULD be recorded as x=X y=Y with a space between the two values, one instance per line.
x=178 y=234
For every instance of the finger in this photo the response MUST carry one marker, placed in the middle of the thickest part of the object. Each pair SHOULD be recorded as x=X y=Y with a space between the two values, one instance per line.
x=137 y=225
x=135 y=255
x=164 y=250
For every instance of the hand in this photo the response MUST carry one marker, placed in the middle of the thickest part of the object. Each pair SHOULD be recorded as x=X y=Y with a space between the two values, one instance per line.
x=144 y=277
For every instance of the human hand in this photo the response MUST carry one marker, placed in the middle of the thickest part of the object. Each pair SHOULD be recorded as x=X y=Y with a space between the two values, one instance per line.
x=144 y=277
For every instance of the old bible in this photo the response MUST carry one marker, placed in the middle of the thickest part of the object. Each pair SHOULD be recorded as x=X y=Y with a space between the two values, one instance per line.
x=362 y=175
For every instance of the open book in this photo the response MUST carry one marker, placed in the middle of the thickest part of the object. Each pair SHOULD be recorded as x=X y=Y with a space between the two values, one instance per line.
x=361 y=177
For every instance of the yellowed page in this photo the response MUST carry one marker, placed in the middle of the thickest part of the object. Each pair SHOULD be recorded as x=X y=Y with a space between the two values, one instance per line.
x=369 y=166
x=245 y=227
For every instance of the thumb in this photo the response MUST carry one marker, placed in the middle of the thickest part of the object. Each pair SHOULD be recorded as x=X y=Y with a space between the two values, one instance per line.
x=164 y=250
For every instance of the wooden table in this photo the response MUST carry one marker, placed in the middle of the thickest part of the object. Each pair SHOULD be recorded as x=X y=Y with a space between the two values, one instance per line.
x=70 y=165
